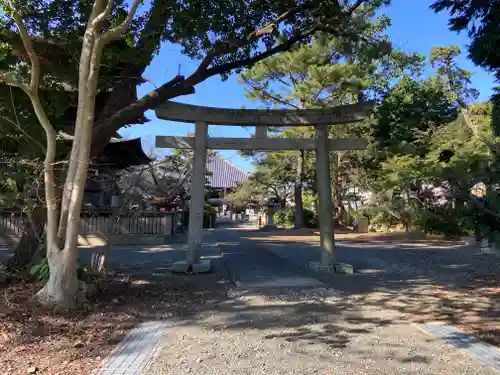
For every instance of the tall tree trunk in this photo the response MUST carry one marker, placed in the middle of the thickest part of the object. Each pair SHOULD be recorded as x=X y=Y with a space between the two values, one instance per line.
x=63 y=288
x=337 y=190
x=299 y=205
x=114 y=224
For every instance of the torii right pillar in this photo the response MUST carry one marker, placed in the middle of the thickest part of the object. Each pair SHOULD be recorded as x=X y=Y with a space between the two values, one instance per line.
x=325 y=206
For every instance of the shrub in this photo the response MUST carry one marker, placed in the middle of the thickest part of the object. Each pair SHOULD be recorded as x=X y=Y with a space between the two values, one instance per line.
x=209 y=209
x=311 y=221
x=284 y=217
x=40 y=271
x=441 y=221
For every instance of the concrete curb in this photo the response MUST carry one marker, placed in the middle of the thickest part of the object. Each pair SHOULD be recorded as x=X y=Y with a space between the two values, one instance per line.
x=483 y=352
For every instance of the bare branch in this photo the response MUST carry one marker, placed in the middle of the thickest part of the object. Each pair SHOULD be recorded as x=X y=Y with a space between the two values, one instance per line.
x=104 y=14
x=117 y=32
x=355 y=6
x=9 y=79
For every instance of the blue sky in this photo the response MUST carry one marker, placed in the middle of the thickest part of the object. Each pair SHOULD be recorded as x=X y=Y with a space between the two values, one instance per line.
x=415 y=28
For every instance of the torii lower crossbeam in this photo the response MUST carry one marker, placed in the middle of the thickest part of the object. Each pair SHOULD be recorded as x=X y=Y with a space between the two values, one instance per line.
x=261 y=144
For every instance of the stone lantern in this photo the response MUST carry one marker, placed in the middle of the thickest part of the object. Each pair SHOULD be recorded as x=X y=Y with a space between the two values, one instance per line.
x=271 y=207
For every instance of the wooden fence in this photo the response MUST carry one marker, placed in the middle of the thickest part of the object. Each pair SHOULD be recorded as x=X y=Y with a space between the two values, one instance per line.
x=98 y=223
x=10 y=224
x=160 y=225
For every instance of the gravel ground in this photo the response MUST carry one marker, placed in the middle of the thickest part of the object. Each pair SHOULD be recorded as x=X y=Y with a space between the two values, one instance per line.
x=311 y=332
x=363 y=324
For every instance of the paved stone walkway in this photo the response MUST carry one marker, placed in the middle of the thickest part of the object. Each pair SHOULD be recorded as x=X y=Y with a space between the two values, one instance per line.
x=253 y=267
x=133 y=355
x=485 y=353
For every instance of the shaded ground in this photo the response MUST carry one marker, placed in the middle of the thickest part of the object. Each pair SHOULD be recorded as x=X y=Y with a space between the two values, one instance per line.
x=423 y=280
x=357 y=324
x=142 y=290
x=280 y=332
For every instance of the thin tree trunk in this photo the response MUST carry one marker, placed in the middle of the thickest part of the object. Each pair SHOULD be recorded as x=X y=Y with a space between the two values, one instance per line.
x=110 y=238
x=63 y=288
x=29 y=242
x=299 y=206
x=314 y=207
x=337 y=191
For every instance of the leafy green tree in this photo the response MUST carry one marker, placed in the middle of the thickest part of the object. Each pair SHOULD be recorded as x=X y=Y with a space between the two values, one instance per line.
x=409 y=113
x=225 y=38
x=428 y=149
x=480 y=19
x=274 y=176
x=329 y=71
x=247 y=192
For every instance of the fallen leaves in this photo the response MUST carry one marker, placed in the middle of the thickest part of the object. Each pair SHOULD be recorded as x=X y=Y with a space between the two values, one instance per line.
x=35 y=340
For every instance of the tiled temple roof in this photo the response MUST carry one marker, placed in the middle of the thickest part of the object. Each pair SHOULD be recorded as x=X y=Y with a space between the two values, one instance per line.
x=224 y=173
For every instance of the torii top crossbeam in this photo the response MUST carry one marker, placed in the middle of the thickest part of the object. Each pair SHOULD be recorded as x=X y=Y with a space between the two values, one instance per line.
x=264 y=117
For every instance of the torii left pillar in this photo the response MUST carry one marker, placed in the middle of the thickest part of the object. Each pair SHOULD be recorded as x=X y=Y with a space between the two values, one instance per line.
x=197 y=205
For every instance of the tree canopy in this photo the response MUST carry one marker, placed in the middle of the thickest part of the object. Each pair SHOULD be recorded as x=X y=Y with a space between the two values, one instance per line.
x=225 y=37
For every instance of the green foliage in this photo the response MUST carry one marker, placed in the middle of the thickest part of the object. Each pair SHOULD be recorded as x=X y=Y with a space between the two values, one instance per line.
x=409 y=113
x=225 y=31
x=284 y=217
x=442 y=220
x=248 y=191
x=40 y=271
x=274 y=175
x=310 y=219
x=481 y=19
x=444 y=59
x=209 y=209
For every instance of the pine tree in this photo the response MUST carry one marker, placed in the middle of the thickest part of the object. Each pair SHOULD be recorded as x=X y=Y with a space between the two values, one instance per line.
x=327 y=72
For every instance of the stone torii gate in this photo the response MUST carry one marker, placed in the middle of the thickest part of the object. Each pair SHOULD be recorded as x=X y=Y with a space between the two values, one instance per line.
x=261 y=119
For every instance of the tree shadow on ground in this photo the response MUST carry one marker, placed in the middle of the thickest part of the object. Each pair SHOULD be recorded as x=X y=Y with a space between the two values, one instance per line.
x=420 y=281
x=75 y=342
x=294 y=315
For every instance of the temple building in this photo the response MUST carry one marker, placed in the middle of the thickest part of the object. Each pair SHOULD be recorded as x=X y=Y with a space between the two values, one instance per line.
x=101 y=184
x=223 y=179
